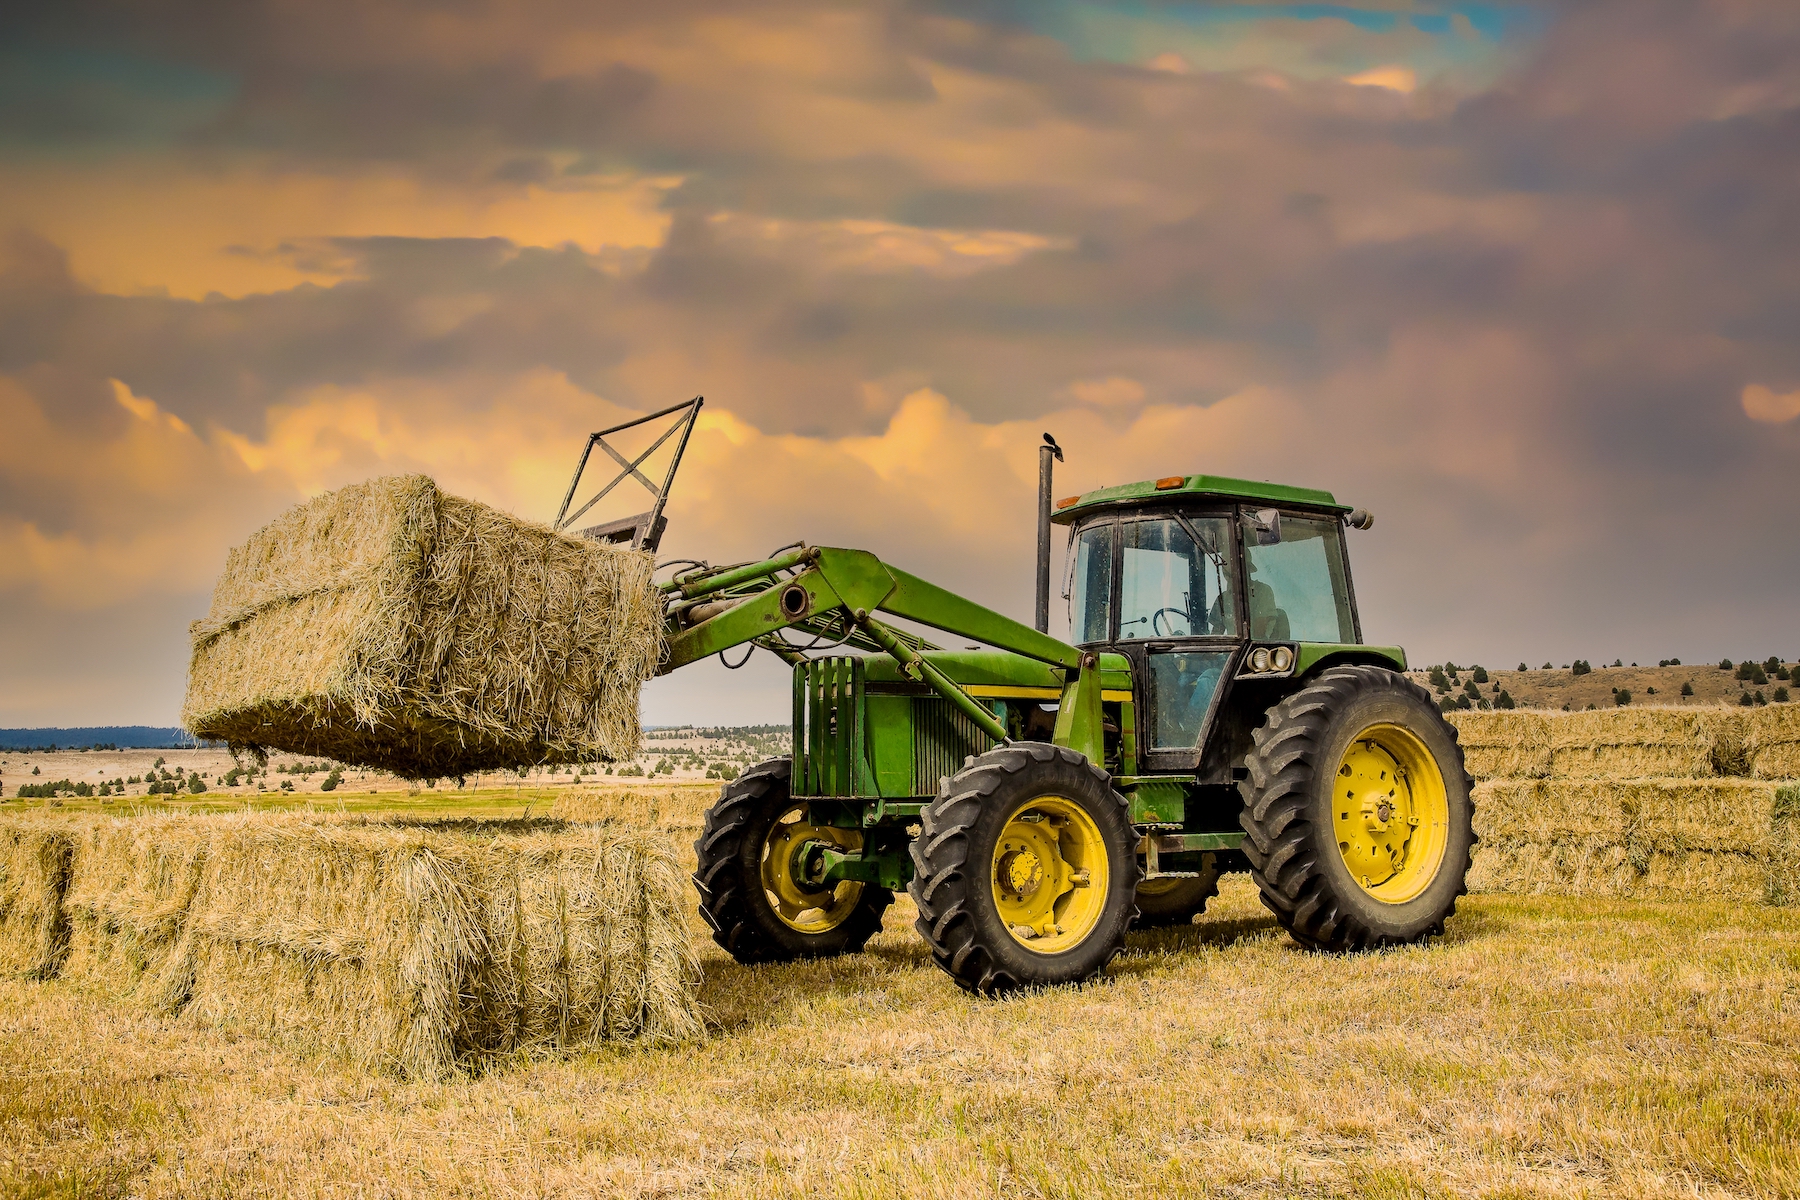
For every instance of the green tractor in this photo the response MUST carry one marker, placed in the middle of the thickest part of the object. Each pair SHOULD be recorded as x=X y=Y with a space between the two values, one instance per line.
x=1217 y=711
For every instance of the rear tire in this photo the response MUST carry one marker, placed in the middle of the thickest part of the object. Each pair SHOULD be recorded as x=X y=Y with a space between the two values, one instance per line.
x=756 y=914
x=1176 y=900
x=1025 y=871
x=1358 y=812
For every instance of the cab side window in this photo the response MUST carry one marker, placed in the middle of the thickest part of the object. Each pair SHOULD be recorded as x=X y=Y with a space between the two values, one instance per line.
x=1090 y=599
x=1297 y=586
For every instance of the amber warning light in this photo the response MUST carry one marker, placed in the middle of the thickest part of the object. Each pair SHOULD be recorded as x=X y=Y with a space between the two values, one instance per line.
x=1170 y=481
x=1066 y=502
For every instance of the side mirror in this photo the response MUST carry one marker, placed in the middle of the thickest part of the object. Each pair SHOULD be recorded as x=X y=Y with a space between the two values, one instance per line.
x=1360 y=518
x=1266 y=524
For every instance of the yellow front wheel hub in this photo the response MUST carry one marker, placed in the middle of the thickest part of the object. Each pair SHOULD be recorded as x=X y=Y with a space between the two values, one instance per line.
x=1050 y=874
x=807 y=907
x=1391 y=813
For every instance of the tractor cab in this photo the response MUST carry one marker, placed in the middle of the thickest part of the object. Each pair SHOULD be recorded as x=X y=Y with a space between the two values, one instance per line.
x=1209 y=585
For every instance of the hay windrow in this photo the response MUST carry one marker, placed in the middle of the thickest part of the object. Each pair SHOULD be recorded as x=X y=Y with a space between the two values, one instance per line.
x=410 y=947
x=390 y=625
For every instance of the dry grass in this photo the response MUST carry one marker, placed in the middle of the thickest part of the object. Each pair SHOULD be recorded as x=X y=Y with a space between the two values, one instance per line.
x=412 y=949
x=389 y=625
x=1545 y=1048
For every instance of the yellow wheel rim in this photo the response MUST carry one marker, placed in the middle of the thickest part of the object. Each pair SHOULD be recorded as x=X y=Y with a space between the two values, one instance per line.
x=1391 y=812
x=1050 y=874
x=809 y=908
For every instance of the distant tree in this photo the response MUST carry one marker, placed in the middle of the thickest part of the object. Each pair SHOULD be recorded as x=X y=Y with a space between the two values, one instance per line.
x=1757 y=677
x=35 y=771
x=1674 y=662
x=1438 y=680
x=1745 y=701
x=196 y=785
x=1781 y=672
x=1759 y=697
x=1724 y=664
x=1621 y=697
x=1772 y=664
x=1781 y=695
x=1479 y=675
x=1504 y=700
x=160 y=760
x=1580 y=667
x=1547 y=667
x=1463 y=702
x=1470 y=690
x=331 y=781
x=1523 y=667
x=1649 y=691
x=1451 y=669
x=1617 y=663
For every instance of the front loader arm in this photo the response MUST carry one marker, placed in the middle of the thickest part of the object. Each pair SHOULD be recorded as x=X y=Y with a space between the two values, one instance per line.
x=852 y=586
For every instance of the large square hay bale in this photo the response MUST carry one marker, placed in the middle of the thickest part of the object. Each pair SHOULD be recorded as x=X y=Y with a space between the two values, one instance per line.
x=1630 y=743
x=1784 y=848
x=1772 y=741
x=1504 y=745
x=411 y=948
x=34 y=874
x=390 y=625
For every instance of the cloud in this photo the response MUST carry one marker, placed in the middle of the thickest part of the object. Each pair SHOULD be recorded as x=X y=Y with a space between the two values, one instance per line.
x=1764 y=404
x=892 y=246
x=1395 y=79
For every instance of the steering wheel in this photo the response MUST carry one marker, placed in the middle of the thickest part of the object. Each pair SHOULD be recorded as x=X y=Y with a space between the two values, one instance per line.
x=1157 y=616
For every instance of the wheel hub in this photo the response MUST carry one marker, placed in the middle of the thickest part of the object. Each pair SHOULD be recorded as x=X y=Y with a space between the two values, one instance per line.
x=791 y=866
x=1385 y=793
x=1049 y=875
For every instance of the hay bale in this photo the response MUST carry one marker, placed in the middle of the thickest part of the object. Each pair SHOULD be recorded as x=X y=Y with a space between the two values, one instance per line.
x=34 y=874
x=588 y=943
x=1603 y=867
x=1504 y=745
x=390 y=625
x=129 y=891
x=677 y=808
x=408 y=947
x=1772 y=741
x=1631 y=743
x=1784 y=848
x=1665 y=814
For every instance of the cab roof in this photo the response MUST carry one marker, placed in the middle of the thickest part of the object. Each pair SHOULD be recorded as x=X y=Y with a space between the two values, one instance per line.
x=1211 y=486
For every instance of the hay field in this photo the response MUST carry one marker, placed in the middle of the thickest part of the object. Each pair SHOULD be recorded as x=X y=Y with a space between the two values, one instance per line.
x=1549 y=1046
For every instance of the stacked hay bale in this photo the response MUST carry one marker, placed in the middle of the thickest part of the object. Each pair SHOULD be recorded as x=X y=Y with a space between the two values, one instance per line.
x=419 y=949
x=390 y=625
x=1654 y=803
x=34 y=873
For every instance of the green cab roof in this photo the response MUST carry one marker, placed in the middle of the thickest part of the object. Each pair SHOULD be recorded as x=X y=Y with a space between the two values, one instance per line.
x=1219 y=486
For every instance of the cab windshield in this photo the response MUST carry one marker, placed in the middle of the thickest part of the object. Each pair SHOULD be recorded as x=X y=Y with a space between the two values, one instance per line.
x=1175 y=580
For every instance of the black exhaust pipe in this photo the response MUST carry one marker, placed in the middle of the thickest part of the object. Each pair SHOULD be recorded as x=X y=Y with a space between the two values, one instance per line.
x=1046 y=452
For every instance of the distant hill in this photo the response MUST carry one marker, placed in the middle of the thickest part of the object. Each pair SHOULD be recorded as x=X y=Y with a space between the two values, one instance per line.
x=136 y=737
x=1558 y=688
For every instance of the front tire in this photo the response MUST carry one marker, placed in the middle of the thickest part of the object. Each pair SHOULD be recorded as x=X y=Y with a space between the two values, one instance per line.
x=757 y=910
x=1358 y=812
x=1025 y=871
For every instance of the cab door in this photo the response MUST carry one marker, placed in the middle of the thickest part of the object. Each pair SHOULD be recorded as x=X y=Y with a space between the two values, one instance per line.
x=1179 y=619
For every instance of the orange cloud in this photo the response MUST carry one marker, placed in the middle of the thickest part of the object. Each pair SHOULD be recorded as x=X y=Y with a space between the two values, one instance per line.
x=135 y=225
x=1395 y=79
x=1765 y=404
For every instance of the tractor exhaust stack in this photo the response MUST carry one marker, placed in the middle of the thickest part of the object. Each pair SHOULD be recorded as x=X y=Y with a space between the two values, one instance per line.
x=1046 y=452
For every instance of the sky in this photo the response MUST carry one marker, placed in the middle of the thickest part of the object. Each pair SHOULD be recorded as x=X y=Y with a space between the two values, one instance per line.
x=1522 y=279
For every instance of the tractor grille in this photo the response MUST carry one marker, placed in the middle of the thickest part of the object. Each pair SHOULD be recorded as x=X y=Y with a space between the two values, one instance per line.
x=942 y=739
x=829 y=755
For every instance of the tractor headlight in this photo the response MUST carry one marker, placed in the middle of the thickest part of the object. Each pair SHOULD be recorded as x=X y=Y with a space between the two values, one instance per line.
x=1282 y=658
x=1259 y=659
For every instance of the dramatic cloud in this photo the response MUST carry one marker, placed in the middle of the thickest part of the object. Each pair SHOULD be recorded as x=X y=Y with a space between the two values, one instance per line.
x=1519 y=278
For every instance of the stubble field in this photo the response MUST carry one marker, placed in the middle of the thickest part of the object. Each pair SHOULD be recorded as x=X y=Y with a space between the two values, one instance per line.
x=1545 y=1047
